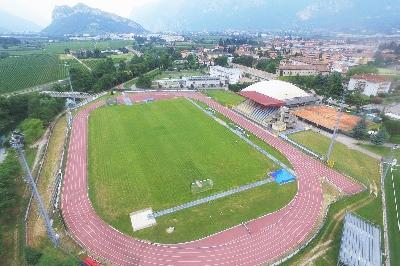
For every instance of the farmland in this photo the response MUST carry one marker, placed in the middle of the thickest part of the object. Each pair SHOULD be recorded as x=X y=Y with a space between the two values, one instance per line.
x=92 y=63
x=21 y=72
x=148 y=155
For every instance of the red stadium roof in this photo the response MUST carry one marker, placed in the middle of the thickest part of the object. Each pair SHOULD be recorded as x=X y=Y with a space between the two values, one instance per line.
x=262 y=99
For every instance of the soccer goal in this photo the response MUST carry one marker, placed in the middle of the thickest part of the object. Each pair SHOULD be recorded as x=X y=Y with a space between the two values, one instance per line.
x=199 y=186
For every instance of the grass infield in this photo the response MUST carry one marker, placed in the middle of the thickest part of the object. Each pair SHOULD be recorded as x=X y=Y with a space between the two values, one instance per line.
x=147 y=155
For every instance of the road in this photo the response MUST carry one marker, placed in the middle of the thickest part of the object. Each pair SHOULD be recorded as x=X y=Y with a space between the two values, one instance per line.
x=271 y=236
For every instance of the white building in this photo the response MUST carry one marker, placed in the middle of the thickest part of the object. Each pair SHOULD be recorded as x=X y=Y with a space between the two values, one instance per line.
x=231 y=74
x=370 y=84
x=169 y=83
x=195 y=82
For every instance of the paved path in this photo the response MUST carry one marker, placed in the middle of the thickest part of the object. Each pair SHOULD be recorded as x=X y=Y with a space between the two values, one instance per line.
x=272 y=236
x=350 y=143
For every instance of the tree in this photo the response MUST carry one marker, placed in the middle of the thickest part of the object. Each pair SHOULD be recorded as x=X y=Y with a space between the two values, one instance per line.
x=32 y=129
x=143 y=82
x=32 y=256
x=9 y=170
x=360 y=130
x=380 y=137
x=221 y=61
x=244 y=60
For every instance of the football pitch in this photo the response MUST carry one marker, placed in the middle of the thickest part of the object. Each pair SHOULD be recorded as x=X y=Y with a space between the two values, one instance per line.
x=147 y=155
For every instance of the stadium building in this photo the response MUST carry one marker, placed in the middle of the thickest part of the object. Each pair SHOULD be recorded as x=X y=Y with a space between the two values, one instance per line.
x=269 y=102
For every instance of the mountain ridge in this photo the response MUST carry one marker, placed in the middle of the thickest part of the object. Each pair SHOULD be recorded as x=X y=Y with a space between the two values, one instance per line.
x=10 y=23
x=82 y=19
x=209 y=15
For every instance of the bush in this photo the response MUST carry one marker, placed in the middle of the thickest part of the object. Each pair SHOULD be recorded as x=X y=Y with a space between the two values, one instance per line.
x=143 y=82
x=32 y=256
x=381 y=137
x=32 y=129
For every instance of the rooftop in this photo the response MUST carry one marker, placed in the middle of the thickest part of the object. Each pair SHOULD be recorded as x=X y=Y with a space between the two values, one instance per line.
x=277 y=89
x=262 y=99
x=372 y=78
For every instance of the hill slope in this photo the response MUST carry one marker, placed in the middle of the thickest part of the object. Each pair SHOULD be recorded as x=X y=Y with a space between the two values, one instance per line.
x=82 y=19
x=12 y=23
x=209 y=15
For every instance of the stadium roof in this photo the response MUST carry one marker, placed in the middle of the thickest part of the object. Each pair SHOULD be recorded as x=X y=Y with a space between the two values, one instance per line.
x=277 y=89
x=262 y=99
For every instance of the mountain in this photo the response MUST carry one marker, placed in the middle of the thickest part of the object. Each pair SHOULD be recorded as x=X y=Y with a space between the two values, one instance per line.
x=11 y=23
x=82 y=19
x=210 y=15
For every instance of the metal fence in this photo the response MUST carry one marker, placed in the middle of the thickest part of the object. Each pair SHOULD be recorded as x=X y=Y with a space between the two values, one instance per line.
x=210 y=198
x=240 y=134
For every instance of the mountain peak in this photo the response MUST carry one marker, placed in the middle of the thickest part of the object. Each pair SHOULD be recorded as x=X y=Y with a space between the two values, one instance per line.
x=83 y=19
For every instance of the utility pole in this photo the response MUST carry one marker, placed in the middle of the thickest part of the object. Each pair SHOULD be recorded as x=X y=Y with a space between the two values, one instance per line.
x=17 y=142
x=336 y=129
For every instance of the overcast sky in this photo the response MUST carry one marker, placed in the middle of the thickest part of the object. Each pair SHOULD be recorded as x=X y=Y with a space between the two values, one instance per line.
x=39 y=11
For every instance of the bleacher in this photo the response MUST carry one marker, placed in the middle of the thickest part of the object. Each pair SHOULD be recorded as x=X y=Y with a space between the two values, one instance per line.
x=256 y=111
x=360 y=243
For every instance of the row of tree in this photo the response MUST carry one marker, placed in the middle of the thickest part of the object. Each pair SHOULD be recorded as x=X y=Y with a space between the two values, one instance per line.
x=326 y=85
x=107 y=74
x=360 y=132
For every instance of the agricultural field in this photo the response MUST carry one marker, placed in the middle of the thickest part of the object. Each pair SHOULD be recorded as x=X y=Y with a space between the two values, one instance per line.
x=325 y=248
x=20 y=72
x=227 y=98
x=92 y=62
x=59 y=47
x=147 y=155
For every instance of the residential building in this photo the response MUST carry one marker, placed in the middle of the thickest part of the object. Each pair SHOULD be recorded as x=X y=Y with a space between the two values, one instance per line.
x=370 y=84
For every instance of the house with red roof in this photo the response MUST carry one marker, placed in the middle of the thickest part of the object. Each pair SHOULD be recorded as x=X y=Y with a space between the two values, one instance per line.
x=370 y=84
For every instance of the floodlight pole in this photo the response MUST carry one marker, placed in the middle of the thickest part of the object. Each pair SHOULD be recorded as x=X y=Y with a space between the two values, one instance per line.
x=17 y=142
x=336 y=129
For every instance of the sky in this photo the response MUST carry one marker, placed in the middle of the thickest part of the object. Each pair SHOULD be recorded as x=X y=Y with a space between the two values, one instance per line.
x=39 y=11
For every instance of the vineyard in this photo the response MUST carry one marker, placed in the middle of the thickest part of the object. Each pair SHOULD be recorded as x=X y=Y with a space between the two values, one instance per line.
x=26 y=71
x=92 y=63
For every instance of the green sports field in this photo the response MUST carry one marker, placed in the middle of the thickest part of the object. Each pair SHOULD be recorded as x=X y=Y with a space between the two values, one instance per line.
x=147 y=155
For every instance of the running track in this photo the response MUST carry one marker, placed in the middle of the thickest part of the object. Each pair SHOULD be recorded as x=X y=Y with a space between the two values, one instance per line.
x=272 y=236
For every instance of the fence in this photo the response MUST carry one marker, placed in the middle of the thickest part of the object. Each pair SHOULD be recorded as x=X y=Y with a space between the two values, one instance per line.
x=240 y=135
x=211 y=198
x=385 y=227
x=37 y=175
x=301 y=147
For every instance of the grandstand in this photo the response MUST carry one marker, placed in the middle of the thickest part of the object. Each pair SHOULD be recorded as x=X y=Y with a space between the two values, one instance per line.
x=360 y=243
x=265 y=99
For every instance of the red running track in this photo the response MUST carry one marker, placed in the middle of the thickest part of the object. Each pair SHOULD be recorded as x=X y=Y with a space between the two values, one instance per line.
x=272 y=236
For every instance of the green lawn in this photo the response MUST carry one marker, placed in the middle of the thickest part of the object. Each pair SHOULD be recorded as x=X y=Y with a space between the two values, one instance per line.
x=393 y=231
x=224 y=97
x=147 y=156
x=357 y=165
x=354 y=163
